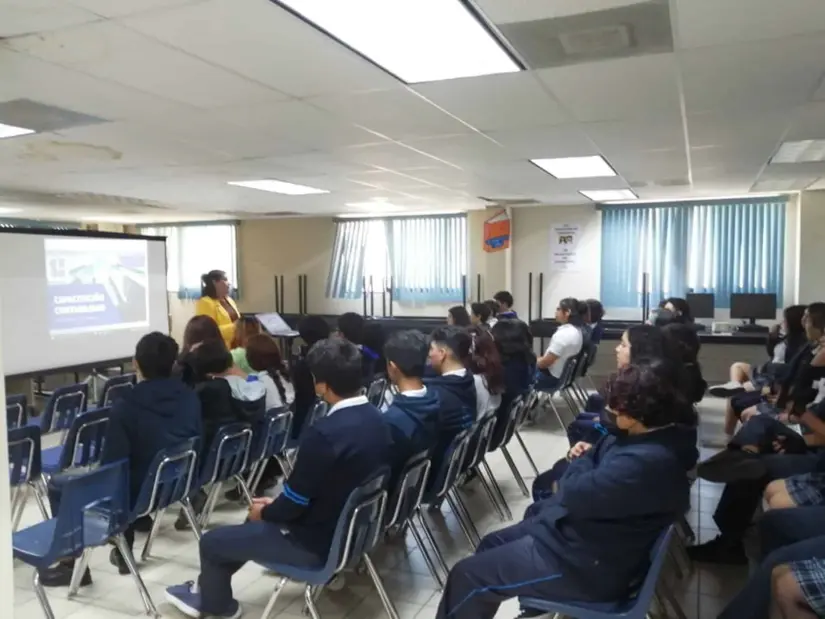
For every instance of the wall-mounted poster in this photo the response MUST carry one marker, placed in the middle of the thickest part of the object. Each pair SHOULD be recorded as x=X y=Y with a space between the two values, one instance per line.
x=497 y=232
x=564 y=253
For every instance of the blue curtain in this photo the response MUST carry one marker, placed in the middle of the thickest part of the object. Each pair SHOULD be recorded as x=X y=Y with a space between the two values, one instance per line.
x=720 y=247
x=428 y=258
x=346 y=272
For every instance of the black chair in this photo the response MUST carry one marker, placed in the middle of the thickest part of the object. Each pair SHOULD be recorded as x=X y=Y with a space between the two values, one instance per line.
x=475 y=461
x=516 y=417
x=114 y=388
x=565 y=380
x=17 y=411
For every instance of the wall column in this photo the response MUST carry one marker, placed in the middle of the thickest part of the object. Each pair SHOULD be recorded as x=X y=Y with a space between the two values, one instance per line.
x=6 y=561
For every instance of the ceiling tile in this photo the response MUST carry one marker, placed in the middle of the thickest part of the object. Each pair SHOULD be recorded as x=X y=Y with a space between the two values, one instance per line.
x=20 y=17
x=642 y=86
x=506 y=101
x=509 y=11
x=110 y=51
x=262 y=41
x=702 y=23
x=463 y=150
x=559 y=141
x=637 y=135
x=108 y=8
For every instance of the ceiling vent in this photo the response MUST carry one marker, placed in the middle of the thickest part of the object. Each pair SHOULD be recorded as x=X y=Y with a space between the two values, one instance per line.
x=606 y=40
x=509 y=201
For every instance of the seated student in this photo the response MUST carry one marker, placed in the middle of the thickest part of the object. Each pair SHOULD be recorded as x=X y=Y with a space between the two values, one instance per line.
x=413 y=415
x=312 y=329
x=480 y=315
x=457 y=316
x=565 y=343
x=784 y=341
x=265 y=362
x=680 y=309
x=749 y=475
x=505 y=305
x=338 y=453
x=351 y=328
x=569 y=550
x=488 y=373
x=372 y=347
x=515 y=346
x=494 y=307
x=595 y=312
x=637 y=343
x=454 y=384
x=160 y=412
x=199 y=329
x=685 y=346
x=245 y=327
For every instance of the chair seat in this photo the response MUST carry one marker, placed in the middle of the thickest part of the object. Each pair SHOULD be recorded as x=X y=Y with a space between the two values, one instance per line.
x=50 y=459
x=311 y=576
x=586 y=610
x=32 y=543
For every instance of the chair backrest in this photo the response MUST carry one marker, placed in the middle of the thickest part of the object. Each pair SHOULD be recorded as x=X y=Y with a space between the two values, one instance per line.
x=170 y=478
x=318 y=410
x=592 y=351
x=514 y=420
x=94 y=507
x=375 y=393
x=406 y=497
x=84 y=442
x=360 y=524
x=658 y=556
x=24 y=455
x=17 y=411
x=271 y=434
x=451 y=465
x=479 y=442
x=569 y=371
x=114 y=388
x=228 y=455
x=63 y=405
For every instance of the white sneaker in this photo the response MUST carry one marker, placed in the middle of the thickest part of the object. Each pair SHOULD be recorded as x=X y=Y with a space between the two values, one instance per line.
x=727 y=390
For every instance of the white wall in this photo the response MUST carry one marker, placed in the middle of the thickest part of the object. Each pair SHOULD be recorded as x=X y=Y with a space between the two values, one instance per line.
x=810 y=251
x=6 y=562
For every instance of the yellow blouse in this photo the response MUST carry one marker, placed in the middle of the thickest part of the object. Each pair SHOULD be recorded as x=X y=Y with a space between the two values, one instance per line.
x=207 y=306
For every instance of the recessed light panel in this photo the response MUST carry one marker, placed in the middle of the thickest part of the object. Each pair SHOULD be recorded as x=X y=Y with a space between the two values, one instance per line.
x=802 y=151
x=7 y=210
x=607 y=195
x=576 y=167
x=289 y=189
x=415 y=40
x=10 y=131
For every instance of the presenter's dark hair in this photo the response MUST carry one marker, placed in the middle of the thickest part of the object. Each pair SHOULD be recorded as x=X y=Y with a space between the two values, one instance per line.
x=199 y=329
x=155 y=355
x=208 y=281
x=336 y=362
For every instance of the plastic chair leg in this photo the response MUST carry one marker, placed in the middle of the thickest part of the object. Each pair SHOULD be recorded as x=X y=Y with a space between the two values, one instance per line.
x=514 y=469
x=427 y=558
x=270 y=605
x=129 y=558
x=389 y=607
x=431 y=539
x=526 y=453
x=40 y=592
x=497 y=490
x=150 y=539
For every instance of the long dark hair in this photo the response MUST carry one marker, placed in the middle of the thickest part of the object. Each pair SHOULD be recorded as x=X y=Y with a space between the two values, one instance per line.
x=263 y=355
x=208 y=281
x=793 y=321
x=199 y=329
x=514 y=341
x=646 y=342
x=460 y=316
x=572 y=305
x=485 y=360
x=682 y=308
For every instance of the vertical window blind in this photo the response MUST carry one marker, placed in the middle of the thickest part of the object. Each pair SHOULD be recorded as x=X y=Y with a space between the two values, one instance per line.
x=722 y=248
x=425 y=258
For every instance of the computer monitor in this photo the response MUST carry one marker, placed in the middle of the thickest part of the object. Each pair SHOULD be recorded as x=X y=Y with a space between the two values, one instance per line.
x=701 y=304
x=753 y=306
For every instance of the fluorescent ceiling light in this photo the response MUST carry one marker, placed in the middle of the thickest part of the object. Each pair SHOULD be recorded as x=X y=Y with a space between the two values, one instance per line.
x=10 y=131
x=802 y=151
x=289 y=189
x=416 y=40
x=6 y=210
x=606 y=195
x=576 y=167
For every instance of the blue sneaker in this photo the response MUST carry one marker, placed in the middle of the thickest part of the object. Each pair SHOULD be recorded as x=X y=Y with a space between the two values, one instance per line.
x=189 y=603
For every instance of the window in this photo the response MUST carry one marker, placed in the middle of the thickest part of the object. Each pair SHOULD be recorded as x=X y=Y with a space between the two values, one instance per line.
x=723 y=248
x=424 y=258
x=192 y=250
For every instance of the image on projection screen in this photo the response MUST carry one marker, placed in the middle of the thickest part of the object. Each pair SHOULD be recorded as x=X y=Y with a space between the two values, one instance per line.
x=96 y=285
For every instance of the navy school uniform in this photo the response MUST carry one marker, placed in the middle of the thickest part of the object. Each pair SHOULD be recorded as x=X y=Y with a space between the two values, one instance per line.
x=412 y=419
x=336 y=454
x=518 y=376
x=458 y=411
x=591 y=540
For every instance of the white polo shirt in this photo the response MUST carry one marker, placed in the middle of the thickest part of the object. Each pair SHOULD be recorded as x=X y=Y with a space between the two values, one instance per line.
x=566 y=342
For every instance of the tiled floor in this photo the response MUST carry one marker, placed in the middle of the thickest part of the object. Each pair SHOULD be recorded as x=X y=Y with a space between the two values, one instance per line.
x=175 y=559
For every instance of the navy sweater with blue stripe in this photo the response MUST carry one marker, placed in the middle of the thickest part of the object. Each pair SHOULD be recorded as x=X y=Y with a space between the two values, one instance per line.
x=458 y=412
x=336 y=454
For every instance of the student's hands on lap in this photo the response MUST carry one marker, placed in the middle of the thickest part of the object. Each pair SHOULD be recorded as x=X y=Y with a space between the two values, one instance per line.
x=578 y=450
x=258 y=507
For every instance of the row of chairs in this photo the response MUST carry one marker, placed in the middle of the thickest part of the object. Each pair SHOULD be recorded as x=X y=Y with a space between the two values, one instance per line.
x=569 y=386
x=65 y=403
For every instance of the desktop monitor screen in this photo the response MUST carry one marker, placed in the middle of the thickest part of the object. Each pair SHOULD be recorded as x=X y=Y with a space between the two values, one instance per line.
x=753 y=306
x=701 y=305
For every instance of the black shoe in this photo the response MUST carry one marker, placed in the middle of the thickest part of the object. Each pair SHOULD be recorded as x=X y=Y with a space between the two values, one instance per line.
x=720 y=550
x=182 y=523
x=116 y=559
x=731 y=465
x=143 y=525
x=61 y=576
x=728 y=390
